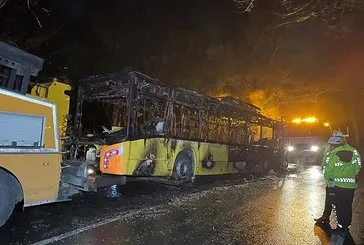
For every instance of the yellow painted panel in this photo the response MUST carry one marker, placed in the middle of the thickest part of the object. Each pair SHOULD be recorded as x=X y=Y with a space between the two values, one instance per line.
x=38 y=174
x=176 y=146
x=164 y=152
x=154 y=149
x=55 y=92
x=220 y=157
x=17 y=105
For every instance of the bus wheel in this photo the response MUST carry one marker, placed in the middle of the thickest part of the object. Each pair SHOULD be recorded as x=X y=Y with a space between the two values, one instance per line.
x=266 y=166
x=183 y=168
x=7 y=196
x=263 y=166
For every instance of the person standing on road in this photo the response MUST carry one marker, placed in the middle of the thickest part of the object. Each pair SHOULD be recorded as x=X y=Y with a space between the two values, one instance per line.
x=325 y=218
x=341 y=170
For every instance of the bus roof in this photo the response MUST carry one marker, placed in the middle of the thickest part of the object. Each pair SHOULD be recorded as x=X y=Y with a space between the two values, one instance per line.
x=116 y=87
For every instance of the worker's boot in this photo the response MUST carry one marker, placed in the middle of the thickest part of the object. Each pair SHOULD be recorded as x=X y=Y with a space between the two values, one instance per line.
x=323 y=220
x=336 y=239
x=338 y=236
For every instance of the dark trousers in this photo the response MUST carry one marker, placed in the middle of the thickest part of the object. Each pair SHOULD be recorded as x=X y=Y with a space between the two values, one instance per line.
x=328 y=203
x=343 y=199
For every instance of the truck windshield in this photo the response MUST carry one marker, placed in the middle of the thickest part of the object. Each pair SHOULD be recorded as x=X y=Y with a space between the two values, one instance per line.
x=299 y=130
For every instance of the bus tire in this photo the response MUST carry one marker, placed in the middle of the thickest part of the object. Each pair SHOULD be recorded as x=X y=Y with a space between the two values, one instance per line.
x=8 y=196
x=263 y=166
x=183 y=168
x=266 y=166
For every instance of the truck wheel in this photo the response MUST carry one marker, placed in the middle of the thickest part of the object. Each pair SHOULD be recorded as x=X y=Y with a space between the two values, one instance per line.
x=183 y=168
x=7 y=196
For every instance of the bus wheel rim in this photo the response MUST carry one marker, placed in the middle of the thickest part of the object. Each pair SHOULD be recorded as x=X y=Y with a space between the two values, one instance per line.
x=182 y=169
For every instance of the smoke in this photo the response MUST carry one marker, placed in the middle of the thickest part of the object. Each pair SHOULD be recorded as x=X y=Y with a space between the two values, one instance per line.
x=266 y=101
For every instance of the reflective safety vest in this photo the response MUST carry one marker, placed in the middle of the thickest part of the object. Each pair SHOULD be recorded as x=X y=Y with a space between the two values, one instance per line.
x=325 y=156
x=341 y=166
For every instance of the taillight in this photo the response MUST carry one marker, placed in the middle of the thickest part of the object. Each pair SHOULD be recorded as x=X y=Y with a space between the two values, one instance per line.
x=108 y=155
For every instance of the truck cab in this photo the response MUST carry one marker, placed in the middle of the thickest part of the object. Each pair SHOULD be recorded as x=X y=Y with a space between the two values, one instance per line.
x=305 y=143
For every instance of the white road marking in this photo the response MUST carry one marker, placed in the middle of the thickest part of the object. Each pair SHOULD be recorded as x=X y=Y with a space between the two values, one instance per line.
x=143 y=211
x=95 y=225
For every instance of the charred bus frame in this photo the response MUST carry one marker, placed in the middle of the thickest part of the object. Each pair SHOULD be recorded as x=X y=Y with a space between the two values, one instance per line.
x=139 y=103
x=133 y=90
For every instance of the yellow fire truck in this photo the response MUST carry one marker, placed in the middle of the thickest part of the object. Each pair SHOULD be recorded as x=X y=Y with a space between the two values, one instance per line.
x=30 y=157
x=125 y=125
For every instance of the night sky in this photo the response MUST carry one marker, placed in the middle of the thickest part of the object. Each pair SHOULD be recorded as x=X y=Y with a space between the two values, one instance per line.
x=307 y=63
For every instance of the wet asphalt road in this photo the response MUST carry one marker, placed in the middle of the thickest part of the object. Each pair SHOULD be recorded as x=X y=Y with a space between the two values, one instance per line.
x=271 y=210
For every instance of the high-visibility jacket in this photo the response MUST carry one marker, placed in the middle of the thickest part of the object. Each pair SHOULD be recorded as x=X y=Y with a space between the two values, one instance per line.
x=342 y=165
x=325 y=155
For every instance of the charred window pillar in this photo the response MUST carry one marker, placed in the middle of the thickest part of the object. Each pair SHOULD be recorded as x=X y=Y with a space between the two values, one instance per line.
x=261 y=132
x=130 y=104
x=200 y=124
x=229 y=131
x=78 y=112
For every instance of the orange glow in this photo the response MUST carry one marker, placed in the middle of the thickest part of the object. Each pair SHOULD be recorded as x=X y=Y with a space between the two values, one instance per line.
x=305 y=120
x=309 y=120
x=265 y=101
x=260 y=98
x=220 y=95
x=326 y=124
x=297 y=120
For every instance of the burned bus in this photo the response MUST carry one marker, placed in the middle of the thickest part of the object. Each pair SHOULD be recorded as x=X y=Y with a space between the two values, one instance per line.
x=134 y=126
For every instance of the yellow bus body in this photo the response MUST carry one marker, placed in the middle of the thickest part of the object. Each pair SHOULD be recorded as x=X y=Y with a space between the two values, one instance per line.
x=37 y=169
x=129 y=154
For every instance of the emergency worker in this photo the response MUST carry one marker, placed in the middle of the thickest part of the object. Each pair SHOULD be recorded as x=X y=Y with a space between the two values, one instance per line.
x=340 y=171
x=325 y=218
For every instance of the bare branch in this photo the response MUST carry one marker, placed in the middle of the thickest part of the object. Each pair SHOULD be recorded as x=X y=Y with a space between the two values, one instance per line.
x=330 y=12
x=275 y=51
x=48 y=12
x=296 y=11
x=34 y=14
x=308 y=97
x=244 y=5
x=2 y=3
x=342 y=13
x=295 y=21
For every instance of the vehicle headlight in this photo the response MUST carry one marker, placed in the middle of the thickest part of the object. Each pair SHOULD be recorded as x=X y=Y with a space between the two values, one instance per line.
x=90 y=171
x=290 y=148
x=83 y=170
x=314 y=148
